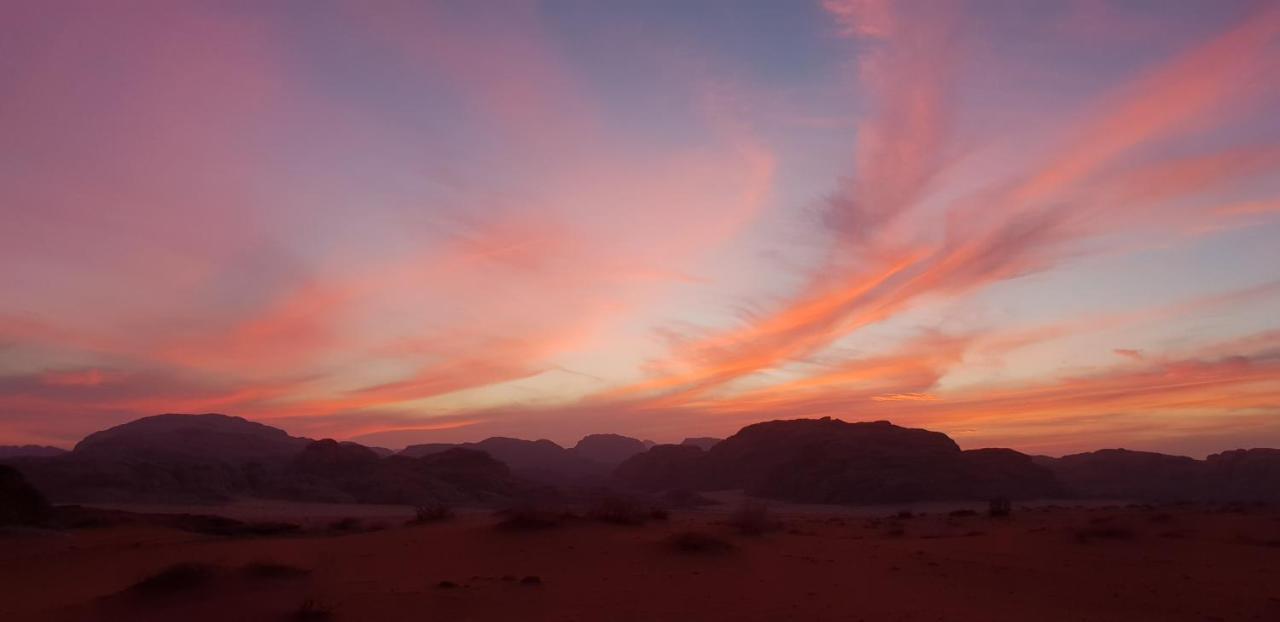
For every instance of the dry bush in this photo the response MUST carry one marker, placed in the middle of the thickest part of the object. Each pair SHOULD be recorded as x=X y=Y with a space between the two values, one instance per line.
x=528 y=518
x=1256 y=541
x=433 y=513
x=999 y=507
x=1104 y=530
x=229 y=527
x=685 y=498
x=312 y=611
x=175 y=579
x=753 y=519
x=346 y=525
x=620 y=511
x=962 y=513
x=698 y=542
x=272 y=570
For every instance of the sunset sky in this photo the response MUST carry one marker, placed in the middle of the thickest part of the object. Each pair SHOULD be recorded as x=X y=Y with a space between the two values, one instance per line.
x=1048 y=226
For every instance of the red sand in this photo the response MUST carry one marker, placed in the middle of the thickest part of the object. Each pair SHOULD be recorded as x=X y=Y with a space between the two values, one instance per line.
x=1181 y=564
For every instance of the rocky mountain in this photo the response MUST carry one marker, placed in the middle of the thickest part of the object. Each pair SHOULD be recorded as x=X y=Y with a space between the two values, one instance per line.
x=345 y=472
x=663 y=467
x=20 y=503
x=702 y=442
x=540 y=460
x=208 y=437
x=210 y=458
x=588 y=462
x=29 y=451
x=608 y=449
x=207 y=458
x=1238 y=475
x=831 y=461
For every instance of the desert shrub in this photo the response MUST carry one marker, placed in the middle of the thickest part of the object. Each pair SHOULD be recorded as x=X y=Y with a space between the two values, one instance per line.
x=174 y=579
x=433 y=513
x=697 y=542
x=272 y=570
x=312 y=611
x=896 y=531
x=229 y=527
x=962 y=513
x=1256 y=541
x=752 y=518
x=1104 y=531
x=685 y=498
x=527 y=518
x=999 y=507
x=619 y=511
x=345 y=525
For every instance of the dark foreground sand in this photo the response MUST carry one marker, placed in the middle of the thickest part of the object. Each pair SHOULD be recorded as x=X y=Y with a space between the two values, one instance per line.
x=1042 y=564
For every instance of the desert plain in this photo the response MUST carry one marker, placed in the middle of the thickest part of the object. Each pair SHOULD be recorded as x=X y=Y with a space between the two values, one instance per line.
x=1081 y=561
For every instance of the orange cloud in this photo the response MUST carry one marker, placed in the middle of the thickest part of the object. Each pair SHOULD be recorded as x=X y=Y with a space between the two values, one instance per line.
x=1000 y=234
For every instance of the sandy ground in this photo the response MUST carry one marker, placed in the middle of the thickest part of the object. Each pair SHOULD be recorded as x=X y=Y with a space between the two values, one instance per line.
x=1140 y=564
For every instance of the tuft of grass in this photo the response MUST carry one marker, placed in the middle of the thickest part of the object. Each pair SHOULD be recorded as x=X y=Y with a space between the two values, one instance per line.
x=753 y=519
x=698 y=542
x=1104 y=531
x=312 y=611
x=433 y=513
x=175 y=579
x=272 y=570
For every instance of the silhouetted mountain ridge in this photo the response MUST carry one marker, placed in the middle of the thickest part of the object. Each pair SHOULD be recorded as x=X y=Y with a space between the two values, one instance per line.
x=831 y=461
x=1236 y=475
x=208 y=458
x=200 y=458
x=30 y=451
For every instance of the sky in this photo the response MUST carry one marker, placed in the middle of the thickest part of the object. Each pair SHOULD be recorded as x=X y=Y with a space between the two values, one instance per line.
x=1047 y=226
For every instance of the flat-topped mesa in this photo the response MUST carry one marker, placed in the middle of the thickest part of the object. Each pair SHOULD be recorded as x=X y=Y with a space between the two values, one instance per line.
x=1237 y=475
x=209 y=436
x=608 y=449
x=832 y=461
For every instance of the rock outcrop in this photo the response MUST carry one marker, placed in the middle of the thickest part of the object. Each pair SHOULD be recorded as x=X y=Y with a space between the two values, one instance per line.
x=20 y=502
x=831 y=461
x=608 y=449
